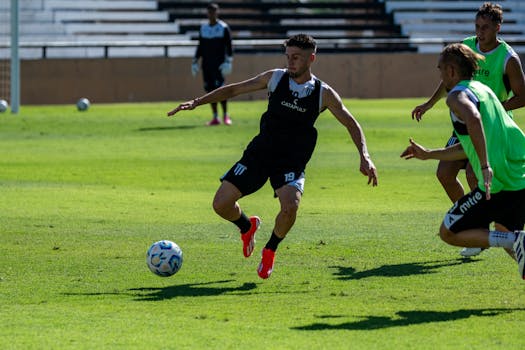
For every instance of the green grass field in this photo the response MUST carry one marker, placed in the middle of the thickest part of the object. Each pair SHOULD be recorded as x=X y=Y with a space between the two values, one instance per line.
x=83 y=195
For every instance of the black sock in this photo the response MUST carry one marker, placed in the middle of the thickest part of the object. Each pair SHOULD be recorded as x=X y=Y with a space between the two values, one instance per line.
x=273 y=242
x=243 y=223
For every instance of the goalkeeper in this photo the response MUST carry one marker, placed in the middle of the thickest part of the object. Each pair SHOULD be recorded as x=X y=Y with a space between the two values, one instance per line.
x=215 y=50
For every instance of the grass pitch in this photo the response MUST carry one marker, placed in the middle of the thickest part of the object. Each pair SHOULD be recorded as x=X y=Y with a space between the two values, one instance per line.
x=83 y=195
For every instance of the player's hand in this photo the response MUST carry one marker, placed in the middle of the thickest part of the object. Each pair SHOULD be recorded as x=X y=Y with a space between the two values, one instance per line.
x=415 y=150
x=418 y=112
x=194 y=67
x=487 y=179
x=188 y=105
x=368 y=168
x=226 y=66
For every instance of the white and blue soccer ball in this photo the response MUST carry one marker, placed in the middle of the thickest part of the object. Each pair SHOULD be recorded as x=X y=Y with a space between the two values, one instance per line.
x=83 y=104
x=164 y=258
x=3 y=106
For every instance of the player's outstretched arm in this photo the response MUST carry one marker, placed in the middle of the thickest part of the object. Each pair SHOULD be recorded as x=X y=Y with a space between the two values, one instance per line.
x=333 y=102
x=415 y=150
x=226 y=92
x=418 y=111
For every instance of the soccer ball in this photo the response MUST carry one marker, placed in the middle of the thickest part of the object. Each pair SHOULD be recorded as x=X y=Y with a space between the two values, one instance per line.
x=3 y=106
x=164 y=258
x=83 y=104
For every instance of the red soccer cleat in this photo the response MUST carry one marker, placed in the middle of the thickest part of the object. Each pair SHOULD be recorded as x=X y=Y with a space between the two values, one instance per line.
x=227 y=120
x=266 y=266
x=248 y=238
x=214 y=121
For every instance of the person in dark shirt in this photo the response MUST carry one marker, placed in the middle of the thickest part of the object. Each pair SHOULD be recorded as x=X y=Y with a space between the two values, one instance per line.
x=215 y=49
x=284 y=145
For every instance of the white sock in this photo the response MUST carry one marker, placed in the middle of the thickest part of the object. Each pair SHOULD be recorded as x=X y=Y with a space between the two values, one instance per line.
x=501 y=239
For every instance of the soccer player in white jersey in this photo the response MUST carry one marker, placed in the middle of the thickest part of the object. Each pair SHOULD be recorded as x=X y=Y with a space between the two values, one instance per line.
x=284 y=145
x=216 y=54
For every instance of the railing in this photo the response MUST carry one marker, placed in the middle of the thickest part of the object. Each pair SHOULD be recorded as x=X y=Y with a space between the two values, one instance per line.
x=240 y=45
x=169 y=48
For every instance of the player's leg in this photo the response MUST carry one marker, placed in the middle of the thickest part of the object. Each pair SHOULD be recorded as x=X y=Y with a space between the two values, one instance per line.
x=289 y=188
x=447 y=172
x=473 y=183
x=289 y=199
x=466 y=223
x=225 y=201
x=226 y=205
x=246 y=176
x=225 y=116
x=210 y=84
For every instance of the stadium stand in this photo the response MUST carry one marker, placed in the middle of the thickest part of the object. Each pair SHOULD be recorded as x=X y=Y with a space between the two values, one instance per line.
x=99 y=27
x=150 y=28
x=451 y=21
x=353 y=20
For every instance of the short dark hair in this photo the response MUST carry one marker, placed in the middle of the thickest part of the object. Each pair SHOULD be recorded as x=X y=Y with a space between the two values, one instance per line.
x=463 y=57
x=302 y=41
x=492 y=11
x=212 y=6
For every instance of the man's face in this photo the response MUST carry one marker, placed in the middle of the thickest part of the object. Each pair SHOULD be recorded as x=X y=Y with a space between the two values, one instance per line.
x=298 y=60
x=212 y=15
x=486 y=30
x=445 y=71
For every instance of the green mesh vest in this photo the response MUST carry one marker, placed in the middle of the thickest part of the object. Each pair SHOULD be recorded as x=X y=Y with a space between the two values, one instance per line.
x=504 y=139
x=492 y=69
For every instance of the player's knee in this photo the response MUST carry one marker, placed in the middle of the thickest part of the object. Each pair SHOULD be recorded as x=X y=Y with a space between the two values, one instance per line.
x=290 y=208
x=444 y=175
x=220 y=205
x=446 y=235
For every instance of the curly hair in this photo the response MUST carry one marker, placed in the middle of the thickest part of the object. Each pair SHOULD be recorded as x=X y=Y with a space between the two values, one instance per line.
x=302 y=41
x=492 y=11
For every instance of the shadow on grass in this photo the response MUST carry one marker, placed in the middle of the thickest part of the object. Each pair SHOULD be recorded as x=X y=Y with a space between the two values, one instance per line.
x=164 y=128
x=406 y=318
x=181 y=290
x=398 y=270
x=188 y=290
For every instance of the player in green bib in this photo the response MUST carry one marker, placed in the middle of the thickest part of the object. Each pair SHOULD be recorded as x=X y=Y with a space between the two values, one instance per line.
x=501 y=70
x=495 y=147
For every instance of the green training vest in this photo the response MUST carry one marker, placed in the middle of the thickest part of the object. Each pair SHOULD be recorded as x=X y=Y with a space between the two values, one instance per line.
x=505 y=141
x=492 y=69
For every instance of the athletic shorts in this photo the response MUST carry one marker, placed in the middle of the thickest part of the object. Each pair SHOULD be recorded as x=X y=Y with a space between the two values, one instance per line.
x=250 y=174
x=473 y=211
x=213 y=79
x=453 y=140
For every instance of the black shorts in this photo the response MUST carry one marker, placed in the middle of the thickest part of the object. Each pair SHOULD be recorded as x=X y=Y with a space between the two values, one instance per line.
x=213 y=79
x=474 y=211
x=250 y=174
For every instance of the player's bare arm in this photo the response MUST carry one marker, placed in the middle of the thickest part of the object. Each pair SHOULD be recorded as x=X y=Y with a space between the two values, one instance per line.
x=514 y=72
x=465 y=110
x=333 y=102
x=258 y=82
x=415 y=150
x=440 y=92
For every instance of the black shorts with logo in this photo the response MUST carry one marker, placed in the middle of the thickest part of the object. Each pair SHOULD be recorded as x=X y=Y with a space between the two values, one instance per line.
x=282 y=165
x=474 y=211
